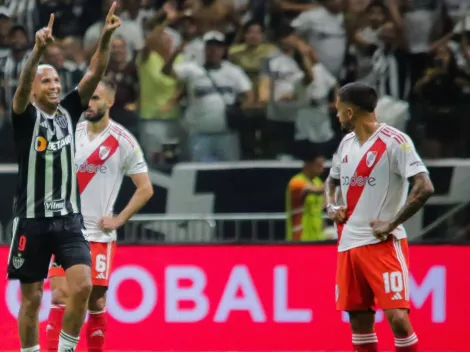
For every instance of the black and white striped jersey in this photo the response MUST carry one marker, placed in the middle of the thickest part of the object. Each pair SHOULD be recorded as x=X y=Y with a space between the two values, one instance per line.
x=45 y=148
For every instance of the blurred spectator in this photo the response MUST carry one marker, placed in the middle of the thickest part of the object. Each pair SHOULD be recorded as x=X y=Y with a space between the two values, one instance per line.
x=211 y=89
x=283 y=76
x=124 y=74
x=5 y=27
x=440 y=90
x=159 y=113
x=69 y=77
x=286 y=10
x=24 y=13
x=135 y=11
x=12 y=64
x=72 y=17
x=390 y=65
x=250 y=55
x=74 y=54
x=366 y=39
x=305 y=201
x=194 y=48
x=313 y=122
x=129 y=30
x=324 y=29
x=214 y=15
x=423 y=21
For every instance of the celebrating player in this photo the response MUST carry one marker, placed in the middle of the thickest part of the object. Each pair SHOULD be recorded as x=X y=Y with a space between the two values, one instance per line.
x=372 y=166
x=47 y=212
x=106 y=152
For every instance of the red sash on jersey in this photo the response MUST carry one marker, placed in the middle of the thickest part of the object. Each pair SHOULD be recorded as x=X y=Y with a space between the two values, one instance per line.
x=99 y=156
x=364 y=169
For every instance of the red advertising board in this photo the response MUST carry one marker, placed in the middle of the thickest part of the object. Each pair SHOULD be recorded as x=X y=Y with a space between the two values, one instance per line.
x=256 y=298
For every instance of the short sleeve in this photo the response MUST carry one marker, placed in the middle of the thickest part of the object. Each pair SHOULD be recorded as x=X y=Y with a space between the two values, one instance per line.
x=134 y=160
x=23 y=124
x=335 y=165
x=73 y=104
x=242 y=82
x=184 y=70
x=303 y=22
x=406 y=161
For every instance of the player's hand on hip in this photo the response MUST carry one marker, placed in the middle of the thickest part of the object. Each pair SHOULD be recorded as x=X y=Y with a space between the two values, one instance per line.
x=381 y=229
x=109 y=223
x=112 y=21
x=337 y=213
x=44 y=35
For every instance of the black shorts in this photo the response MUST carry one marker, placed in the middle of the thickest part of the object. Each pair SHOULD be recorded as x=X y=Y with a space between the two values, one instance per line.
x=35 y=240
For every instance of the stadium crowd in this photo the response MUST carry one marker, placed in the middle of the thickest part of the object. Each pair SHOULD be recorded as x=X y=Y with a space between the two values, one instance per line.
x=224 y=80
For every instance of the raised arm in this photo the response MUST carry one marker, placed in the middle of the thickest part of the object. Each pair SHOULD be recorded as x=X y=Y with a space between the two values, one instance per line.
x=25 y=83
x=100 y=59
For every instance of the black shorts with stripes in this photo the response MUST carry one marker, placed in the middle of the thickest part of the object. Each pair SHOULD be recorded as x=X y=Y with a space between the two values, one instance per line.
x=36 y=240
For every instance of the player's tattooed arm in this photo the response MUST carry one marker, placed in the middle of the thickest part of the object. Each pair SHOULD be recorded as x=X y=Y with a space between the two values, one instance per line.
x=330 y=190
x=27 y=76
x=422 y=189
x=336 y=213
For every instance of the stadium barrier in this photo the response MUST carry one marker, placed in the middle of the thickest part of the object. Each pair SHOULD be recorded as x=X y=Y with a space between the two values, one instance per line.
x=255 y=298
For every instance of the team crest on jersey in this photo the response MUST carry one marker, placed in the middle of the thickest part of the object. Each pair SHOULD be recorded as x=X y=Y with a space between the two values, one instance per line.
x=104 y=152
x=61 y=120
x=370 y=158
x=18 y=262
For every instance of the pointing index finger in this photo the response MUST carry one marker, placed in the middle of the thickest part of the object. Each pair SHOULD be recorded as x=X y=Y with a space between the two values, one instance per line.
x=111 y=11
x=51 y=22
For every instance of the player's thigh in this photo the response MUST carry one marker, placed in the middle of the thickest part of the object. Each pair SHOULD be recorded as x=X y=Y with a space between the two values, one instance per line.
x=30 y=252
x=386 y=267
x=102 y=257
x=353 y=293
x=70 y=246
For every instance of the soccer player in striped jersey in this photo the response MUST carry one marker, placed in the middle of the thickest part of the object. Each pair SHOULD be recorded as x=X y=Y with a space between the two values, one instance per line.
x=47 y=208
x=106 y=153
x=372 y=167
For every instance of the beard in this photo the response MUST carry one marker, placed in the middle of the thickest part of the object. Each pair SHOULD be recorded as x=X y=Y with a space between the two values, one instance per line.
x=96 y=117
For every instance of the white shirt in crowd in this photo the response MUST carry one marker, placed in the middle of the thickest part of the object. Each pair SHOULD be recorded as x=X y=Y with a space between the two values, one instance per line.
x=205 y=112
x=419 y=23
x=313 y=121
x=374 y=182
x=286 y=80
x=130 y=31
x=101 y=165
x=326 y=33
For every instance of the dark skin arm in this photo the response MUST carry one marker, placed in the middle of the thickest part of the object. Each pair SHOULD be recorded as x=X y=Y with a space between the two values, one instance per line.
x=422 y=189
x=335 y=212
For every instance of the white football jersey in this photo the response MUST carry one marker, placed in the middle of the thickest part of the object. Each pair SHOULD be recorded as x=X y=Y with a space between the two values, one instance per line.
x=374 y=182
x=101 y=165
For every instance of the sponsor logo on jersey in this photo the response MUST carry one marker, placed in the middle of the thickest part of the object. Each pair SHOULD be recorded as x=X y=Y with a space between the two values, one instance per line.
x=54 y=205
x=345 y=160
x=416 y=163
x=358 y=180
x=370 y=158
x=91 y=168
x=41 y=144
